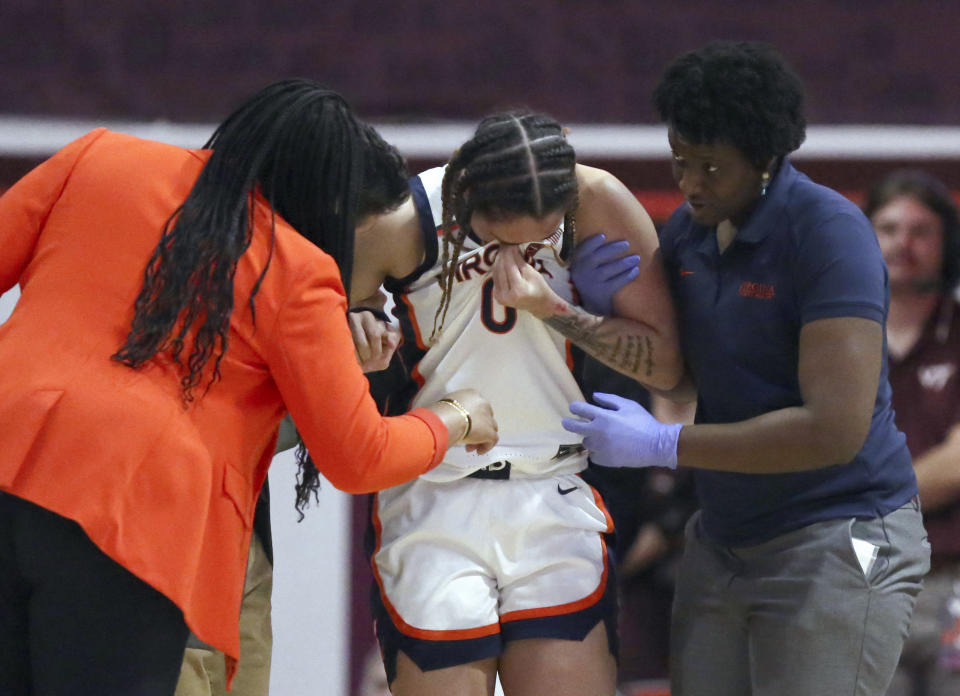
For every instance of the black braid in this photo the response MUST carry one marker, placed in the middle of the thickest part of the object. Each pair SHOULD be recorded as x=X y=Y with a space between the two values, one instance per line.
x=454 y=207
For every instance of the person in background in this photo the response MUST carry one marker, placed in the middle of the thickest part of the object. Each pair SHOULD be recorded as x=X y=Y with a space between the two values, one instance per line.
x=650 y=508
x=801 y=568
x=373 y=678
x=175 y=304
x=916 y=222
x=203 y=670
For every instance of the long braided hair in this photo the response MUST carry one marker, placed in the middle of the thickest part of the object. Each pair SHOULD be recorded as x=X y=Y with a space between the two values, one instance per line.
x=320 y=169
x=305 y=150
x=516 y=164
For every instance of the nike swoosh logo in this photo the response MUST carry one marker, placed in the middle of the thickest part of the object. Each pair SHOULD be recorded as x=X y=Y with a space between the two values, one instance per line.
x=686 y=272
x=564 y=491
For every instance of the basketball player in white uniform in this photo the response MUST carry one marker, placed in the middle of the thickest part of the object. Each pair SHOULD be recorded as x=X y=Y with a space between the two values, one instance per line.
x=497 y=562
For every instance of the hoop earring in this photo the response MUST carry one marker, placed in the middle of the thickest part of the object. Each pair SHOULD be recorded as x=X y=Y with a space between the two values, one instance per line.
x=764 y=183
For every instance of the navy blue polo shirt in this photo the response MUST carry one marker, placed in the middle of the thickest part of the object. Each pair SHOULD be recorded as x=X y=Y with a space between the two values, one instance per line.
x=805 y=253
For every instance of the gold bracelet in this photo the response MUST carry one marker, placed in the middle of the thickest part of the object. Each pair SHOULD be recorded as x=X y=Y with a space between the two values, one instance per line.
x=463 y=412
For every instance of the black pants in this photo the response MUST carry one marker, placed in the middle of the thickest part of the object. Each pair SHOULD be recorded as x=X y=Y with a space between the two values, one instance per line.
x=74 y=622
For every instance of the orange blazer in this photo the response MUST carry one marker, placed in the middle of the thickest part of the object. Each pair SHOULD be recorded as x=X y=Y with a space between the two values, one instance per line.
x=168 y=491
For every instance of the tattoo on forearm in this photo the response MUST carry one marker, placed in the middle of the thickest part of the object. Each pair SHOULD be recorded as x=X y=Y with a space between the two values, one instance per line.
x=649 y=356
x=628 y=353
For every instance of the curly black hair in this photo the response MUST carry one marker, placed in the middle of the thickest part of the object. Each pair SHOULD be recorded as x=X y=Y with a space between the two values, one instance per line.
x=935 y=196
x=738 y=92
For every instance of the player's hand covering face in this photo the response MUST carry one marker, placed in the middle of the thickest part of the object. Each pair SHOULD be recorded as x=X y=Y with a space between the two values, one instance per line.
x=517 y=284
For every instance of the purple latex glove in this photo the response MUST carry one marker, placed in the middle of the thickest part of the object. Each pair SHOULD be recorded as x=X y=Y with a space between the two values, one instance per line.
x=621 y=432
x=599 y=269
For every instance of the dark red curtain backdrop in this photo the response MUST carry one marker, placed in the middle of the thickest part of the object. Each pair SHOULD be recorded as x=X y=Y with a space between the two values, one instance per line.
x=885 y=61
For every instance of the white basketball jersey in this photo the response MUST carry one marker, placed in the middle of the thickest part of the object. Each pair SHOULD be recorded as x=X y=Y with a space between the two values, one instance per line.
x=512 y=358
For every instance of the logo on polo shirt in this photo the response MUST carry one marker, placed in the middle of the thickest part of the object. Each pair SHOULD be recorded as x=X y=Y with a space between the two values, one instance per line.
x=935 y=377
x=761 y=291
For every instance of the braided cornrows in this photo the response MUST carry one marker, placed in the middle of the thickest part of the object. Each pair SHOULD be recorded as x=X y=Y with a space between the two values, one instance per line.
x=515 y=164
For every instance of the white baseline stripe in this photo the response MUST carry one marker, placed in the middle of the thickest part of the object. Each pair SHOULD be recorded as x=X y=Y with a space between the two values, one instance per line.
x=23 y=136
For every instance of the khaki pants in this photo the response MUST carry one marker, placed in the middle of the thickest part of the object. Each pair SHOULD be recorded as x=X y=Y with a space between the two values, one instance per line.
x=203 y=671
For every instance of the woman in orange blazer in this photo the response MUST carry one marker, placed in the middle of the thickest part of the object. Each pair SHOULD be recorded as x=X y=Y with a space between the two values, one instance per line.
x=139 y=408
